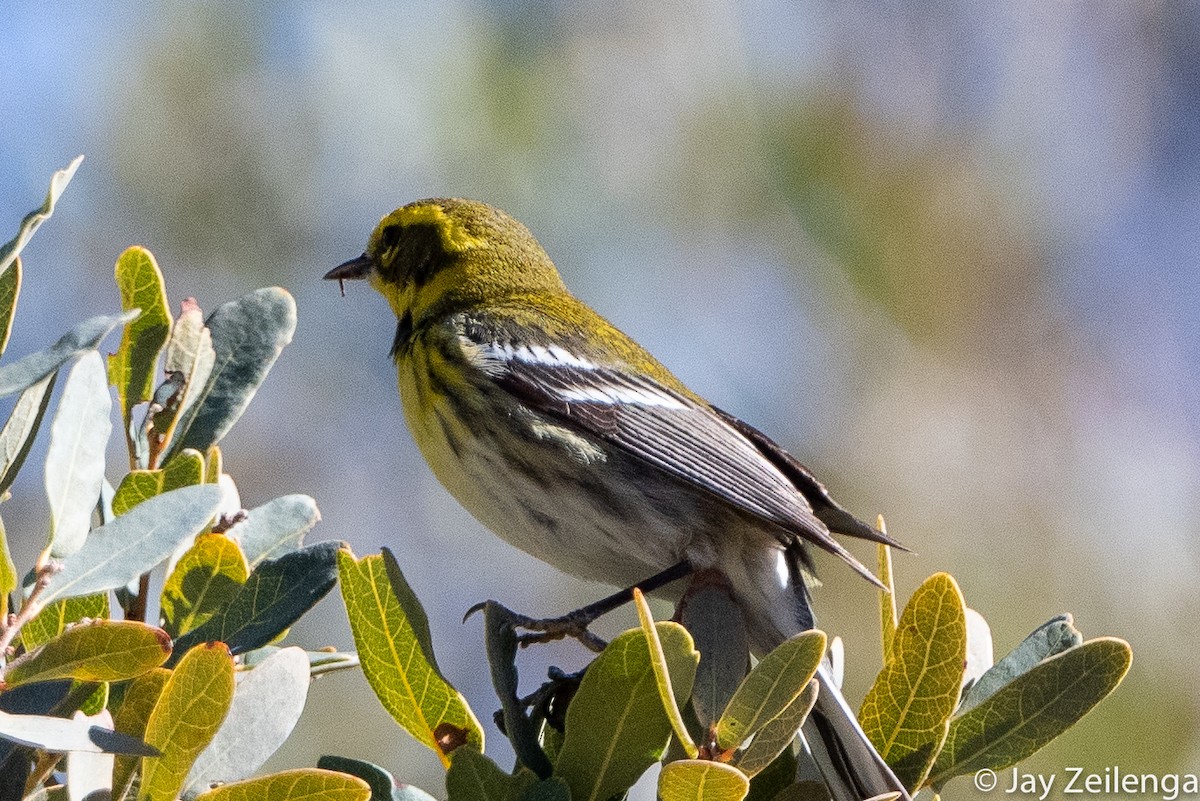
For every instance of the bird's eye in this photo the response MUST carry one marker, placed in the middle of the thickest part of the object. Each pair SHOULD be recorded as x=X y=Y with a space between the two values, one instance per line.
x=389 y=236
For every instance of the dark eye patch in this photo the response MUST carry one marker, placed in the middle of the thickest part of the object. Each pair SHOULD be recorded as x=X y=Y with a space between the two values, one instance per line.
x=390 y=236
x=411 y=253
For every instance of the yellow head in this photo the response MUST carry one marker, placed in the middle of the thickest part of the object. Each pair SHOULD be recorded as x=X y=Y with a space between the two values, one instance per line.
x=437 y=254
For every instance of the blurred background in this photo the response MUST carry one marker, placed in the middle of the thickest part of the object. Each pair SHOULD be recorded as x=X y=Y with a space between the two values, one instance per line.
x=945 y=253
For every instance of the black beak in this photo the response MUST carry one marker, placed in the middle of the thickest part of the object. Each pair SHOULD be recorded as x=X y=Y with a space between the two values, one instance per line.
x=354 y=269
x=358 y=267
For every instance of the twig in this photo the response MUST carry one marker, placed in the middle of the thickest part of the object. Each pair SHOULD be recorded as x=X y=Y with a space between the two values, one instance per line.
x=11 y=626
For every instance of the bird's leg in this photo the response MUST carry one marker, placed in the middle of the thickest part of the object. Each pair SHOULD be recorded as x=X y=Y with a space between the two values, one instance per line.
x=575 y=624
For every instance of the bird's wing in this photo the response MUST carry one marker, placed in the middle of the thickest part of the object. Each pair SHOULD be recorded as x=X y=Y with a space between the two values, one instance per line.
x=824 y=507
x=660 y=425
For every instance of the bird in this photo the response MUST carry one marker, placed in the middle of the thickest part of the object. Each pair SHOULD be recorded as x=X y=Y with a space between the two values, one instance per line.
x=566 y=438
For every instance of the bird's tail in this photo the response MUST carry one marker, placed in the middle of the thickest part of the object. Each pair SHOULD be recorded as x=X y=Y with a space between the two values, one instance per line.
x=847 y=763
x=837 y=750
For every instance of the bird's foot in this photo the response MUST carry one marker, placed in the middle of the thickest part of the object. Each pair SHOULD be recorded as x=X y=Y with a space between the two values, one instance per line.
x=538 y=630
x=574 y=624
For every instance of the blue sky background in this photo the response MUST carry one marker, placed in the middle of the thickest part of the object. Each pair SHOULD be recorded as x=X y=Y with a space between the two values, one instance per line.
x=947 y=253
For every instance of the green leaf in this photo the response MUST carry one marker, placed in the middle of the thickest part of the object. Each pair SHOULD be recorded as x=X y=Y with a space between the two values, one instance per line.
x=186 y=469
x=28 y=370
x=809 y=790
x=770 y=688
x=133 y=543
x=188 y=713
x=662 y=676
x=474 y=777
x=887 y=596
x=551 y=789
x=58 y=182
x=304 y=784
x=17 y=436
x=61 y=735
x=414 y=612
x=97 y=702
x=778 y=774
x=10 y=289
x=101 y=650
x=701 y=780
x=1033 y=709
x=205 y=579
x=275 y=595
x=392 y=647
x=271 y=530
x=383 y=786
x=213 y=465
x=140 y=699
x=8 y=572
x=719 y=630
x=54 y=618
x=131 y=369
x=905 y=712
x=1052 y=637
x=778 y=733
x=75 y=460
x=247 y=335
x=616 y=726
x=266 y=707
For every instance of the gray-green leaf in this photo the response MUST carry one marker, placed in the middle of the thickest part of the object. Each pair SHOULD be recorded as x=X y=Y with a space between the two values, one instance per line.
x=1033 y=709
x=274 y=597
x=75 y=460
x=58 y=182
x=266 y=707
x=89 y=775
x=719 y=630
x=28 y=370
x=60 y=734
x=1052 y=637
x=22 y=426
x=383 y=786
x=134 y=542
x=247 y=335
x=275 y=528
x=188 y=364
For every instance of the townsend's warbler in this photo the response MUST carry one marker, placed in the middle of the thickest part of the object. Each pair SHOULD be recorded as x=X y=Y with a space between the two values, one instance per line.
x=570 y=441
